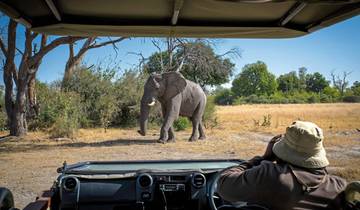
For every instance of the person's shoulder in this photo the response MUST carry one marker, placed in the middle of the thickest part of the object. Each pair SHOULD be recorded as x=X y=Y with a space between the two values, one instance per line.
x=338 y=182
x=274 y=168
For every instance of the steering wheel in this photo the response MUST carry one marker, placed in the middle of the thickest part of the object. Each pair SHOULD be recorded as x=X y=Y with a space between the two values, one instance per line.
x=212 y=189
x=6 y=199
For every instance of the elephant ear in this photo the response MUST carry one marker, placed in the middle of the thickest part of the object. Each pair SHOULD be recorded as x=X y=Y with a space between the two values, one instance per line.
x=175 y=83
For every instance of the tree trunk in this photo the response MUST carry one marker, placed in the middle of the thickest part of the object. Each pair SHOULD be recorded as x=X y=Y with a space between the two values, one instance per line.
x=8 y=81
x=19 y=125
x=31 y=96
x=70 y=68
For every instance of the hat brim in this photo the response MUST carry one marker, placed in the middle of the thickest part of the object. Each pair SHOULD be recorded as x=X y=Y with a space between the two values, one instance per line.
x=305 y=160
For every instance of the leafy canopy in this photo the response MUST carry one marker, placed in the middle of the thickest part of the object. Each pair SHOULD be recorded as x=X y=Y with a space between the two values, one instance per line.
x=201 y=64
x=254 y=79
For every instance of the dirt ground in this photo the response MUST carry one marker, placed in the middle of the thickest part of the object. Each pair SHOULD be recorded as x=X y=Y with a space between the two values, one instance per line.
x=28 y=165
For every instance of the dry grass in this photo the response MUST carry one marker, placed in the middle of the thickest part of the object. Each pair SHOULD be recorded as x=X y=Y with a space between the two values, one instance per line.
x=28 y=165
x=330 y=117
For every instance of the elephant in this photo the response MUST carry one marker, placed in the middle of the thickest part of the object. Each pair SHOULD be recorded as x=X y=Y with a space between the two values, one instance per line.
x=178 y=97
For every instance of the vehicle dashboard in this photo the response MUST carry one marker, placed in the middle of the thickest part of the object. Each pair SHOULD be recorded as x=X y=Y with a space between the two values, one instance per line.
x=136 y=185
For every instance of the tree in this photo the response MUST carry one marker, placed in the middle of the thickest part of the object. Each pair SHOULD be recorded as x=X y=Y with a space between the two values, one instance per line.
x=302 y=78
x=316 y=82
x=340 y=82
x=223 y=96
x=356 y=88
x=24 y=75
x=75 y=60
x=98 y=101
x=254 y=79
x=197 y=61
x=288 y=82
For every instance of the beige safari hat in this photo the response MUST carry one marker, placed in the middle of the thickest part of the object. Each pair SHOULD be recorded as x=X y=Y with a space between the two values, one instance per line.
x=302 y=145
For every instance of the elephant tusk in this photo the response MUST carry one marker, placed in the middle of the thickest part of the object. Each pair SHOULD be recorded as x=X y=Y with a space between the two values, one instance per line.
x=152 y=103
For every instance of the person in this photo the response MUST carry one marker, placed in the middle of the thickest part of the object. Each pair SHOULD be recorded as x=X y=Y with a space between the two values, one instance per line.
x=290 y=175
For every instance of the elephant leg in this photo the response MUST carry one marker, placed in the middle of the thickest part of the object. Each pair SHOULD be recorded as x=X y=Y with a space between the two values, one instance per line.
x=194 y=135
x=171 y=134
x=164 y=135
x=166 y=132
x=201 y=131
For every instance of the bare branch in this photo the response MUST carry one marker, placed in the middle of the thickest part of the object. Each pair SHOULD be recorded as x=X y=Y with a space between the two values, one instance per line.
x=233 y=51
x=11 y=40
x=71 y=50
x=107 y=43
x=157 y=45
x=33 y=35
x=142 y=59
x=19 y=51
x=53 y=44
x=43 y=41
x=3 y=48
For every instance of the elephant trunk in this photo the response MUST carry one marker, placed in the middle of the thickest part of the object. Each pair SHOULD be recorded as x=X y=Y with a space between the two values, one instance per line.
x=144 y=115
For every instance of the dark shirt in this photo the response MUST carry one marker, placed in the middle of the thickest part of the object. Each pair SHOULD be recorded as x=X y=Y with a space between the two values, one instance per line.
x=281 y=186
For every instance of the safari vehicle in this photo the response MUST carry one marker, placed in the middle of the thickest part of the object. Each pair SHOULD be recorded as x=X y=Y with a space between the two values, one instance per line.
x=163 y=184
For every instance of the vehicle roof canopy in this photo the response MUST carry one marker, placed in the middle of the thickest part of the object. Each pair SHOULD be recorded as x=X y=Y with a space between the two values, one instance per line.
x=180 y=18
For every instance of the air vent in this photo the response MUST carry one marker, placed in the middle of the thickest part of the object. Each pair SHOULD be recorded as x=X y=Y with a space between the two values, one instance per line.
x=70 y=183
x=198 y=180
x=145 y=180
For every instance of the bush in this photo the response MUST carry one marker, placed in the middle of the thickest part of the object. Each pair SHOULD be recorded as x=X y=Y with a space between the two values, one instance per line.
x=60 y=112
x=68 y=114
x=209 y=117
x=3 y=120
x=313 y=99
x=96 y=90
x=325 y=99
x=3 y=115
x=181 y=124
x=128 y=90
x=351 y=99
x=224 y=97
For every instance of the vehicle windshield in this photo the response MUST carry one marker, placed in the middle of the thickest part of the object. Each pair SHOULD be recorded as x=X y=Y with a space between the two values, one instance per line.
x=135 y=166
x=79 y=99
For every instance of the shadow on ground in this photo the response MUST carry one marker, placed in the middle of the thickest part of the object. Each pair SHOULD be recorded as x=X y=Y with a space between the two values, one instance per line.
x=15 y=145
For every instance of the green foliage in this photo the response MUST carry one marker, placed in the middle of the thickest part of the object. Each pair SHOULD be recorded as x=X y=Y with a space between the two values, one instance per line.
x=3 y=116
x=356 y=88
x=67 y=122
x=55 y=107
x=63 y=113
x=352 y=99
x=254 y=79
x=316 y=82
x=224 y=96
x=332 y=93
x=288 y=82
x=128 y=90
x=95 y=88
x=209 y=117
x=202 y=65
x=181 y=124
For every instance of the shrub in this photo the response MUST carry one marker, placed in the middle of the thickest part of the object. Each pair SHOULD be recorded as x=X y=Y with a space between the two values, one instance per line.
x=3 y=116
x=209 y=117
x=313 y=99
x=67 y=116
x=325 y=98
x=181 y=123
x=351 y=99
x=3 y=120
x=128 y=90
x=224 y=97
x=94 y=87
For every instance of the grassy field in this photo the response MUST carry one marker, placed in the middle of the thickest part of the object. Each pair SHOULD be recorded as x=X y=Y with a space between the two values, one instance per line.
x=28 y=165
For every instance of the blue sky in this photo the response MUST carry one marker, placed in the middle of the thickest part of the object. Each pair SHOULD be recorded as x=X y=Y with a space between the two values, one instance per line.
x=336 y=48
